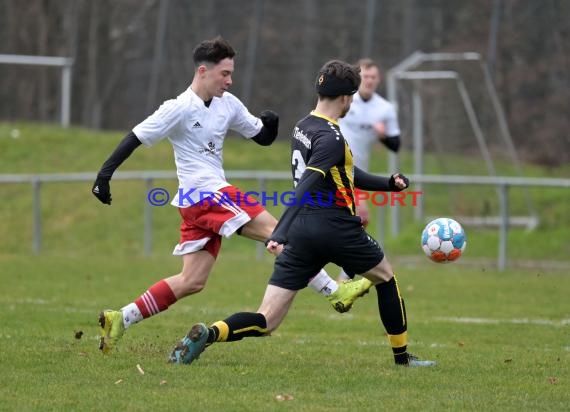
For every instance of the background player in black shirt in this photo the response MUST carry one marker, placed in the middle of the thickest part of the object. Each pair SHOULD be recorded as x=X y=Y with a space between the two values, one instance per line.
x=319 y=228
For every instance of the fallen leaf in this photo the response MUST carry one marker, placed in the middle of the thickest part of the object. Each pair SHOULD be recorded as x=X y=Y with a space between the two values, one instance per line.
x=140 y=369
x=78 y=334
x=119 y=381
x=82 y=353
x=552 y=379
x=460 y=343
x=284 y=397
x=162 y=382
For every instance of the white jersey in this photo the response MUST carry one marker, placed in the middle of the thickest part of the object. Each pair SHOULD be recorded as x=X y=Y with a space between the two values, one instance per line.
x=357 y=128
x=197 y=134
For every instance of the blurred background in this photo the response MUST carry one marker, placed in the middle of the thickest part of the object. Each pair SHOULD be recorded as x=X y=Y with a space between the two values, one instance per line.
x=482 y=88
x=130 y=55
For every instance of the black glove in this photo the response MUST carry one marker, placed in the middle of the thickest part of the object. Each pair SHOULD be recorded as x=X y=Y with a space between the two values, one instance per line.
x=102 y=190
x=392 y=182
x=270 y=119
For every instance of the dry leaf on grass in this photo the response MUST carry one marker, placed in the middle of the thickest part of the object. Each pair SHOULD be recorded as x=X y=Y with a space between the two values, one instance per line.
x=284 y=397
x=141 y=371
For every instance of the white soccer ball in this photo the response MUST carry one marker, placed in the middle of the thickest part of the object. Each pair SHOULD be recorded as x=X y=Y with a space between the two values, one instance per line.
x=443 y=240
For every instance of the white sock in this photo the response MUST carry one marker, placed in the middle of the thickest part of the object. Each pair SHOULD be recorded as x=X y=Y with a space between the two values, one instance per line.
x=323 y=283
x=131 y=314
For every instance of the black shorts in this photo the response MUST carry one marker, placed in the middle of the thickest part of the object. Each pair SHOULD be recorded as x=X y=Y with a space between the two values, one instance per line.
x=316 y=239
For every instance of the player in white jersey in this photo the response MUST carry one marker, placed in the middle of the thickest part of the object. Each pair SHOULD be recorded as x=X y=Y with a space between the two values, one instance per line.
x=313 y=234
x=196 y=123
x=371 y=118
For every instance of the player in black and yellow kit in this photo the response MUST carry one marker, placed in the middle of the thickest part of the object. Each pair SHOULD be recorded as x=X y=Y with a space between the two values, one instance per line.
x=319 y=228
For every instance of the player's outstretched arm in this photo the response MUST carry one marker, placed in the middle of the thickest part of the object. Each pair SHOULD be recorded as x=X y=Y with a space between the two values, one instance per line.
x=268 y=132
x=391 y=142
x=101 y=188
x=305 y=185
x=367 y=181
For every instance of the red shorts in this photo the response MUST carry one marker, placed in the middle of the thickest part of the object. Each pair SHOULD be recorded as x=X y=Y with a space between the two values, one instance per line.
x=204 y=223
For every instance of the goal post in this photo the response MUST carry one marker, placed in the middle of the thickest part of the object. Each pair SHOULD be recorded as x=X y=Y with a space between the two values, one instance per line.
x=405 y=81
x=64 y=63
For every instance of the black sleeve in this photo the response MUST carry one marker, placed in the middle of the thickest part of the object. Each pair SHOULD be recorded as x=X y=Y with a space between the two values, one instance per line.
x=129 y=143
x=308 y=180
x=391 y=142
x=265 y=136
x=269 y=130
x=367 y=181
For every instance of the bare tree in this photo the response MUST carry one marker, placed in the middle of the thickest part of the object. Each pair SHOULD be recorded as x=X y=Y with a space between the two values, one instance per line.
x=132 y=51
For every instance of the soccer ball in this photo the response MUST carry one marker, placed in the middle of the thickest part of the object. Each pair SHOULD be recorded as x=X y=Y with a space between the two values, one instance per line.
x=443 y=240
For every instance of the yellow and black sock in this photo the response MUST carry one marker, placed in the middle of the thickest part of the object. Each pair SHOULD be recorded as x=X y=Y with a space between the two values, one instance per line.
x=237 y=326
x=393 y=315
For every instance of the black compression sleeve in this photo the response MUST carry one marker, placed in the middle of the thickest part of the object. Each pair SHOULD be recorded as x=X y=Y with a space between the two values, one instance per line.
x=367 y=181
x=307 y=182
x=391 y=142
x=129 y=143
x=268 y=132
x=265 y=136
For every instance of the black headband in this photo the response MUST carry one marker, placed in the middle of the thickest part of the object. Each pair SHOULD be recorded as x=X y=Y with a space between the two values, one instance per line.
x=332 y=86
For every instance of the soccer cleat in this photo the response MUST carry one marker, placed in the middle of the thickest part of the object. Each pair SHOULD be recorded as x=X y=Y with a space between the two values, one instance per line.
x=112 y=329
x=190 y=346
x=415 y=362
x=347 y=292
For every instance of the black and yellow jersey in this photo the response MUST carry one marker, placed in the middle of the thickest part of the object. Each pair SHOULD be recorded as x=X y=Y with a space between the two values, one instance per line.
x=318 y=145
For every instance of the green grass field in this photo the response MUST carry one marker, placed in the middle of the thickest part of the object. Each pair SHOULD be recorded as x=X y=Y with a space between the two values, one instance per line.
x=501 y=342
x=501 y=339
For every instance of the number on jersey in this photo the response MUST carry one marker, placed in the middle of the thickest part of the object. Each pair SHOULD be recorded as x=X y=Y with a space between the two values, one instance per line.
x=299 y=166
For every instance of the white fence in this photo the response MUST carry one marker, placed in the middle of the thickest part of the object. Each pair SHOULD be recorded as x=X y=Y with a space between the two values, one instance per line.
x=262 y=177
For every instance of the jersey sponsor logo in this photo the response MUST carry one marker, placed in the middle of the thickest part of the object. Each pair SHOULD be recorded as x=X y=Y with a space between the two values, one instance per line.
x=196 y=125
x=300 y=136
x=211 y=149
